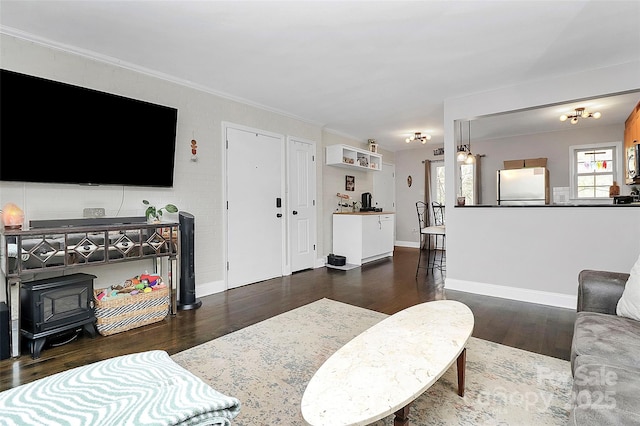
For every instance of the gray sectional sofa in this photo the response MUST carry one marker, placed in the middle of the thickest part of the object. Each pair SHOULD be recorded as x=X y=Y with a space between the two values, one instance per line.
x=605 y=354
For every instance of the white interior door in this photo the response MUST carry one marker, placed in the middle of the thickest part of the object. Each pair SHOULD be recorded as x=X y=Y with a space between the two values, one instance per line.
x=384 y=188
x=302 y=204
x=255 y=223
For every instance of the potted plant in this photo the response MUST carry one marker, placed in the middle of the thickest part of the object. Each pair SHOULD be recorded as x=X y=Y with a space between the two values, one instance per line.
x=154 y=214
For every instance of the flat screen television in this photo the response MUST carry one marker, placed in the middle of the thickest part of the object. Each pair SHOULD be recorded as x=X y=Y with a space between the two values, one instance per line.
x=53 y=132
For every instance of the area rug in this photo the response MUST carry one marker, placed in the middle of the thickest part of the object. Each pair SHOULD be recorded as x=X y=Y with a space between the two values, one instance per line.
x=268 y=365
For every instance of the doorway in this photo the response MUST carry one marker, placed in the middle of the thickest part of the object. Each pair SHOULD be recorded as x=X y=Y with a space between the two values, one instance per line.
x=437 y=181
x=384 y=187
x=255 y=205
x=301 y=166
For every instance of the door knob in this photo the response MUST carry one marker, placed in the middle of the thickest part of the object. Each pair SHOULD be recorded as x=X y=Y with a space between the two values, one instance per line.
x=295 y=212
x=279 y=215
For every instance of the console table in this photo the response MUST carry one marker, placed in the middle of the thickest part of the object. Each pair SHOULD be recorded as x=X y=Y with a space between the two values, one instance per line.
x=82 y=242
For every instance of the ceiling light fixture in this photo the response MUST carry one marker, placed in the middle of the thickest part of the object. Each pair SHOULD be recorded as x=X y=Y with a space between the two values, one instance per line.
x=579 y=113
x=418 y=137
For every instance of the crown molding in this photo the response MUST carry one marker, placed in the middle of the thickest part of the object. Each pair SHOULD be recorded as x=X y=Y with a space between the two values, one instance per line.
x=344 y=135
x=12 y=32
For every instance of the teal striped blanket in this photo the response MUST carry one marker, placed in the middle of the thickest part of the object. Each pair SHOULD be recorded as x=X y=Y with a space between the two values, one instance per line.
x=146 y=388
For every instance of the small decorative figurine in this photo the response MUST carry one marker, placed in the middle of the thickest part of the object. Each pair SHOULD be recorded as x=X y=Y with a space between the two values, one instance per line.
x=194 y=150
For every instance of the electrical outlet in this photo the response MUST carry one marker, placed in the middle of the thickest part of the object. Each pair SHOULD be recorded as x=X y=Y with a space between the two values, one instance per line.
x=93 y=212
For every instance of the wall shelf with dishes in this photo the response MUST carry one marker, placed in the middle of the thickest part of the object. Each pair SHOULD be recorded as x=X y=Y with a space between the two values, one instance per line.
x=353 y=158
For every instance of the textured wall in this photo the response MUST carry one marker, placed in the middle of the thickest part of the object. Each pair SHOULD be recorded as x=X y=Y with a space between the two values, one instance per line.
x=198 y=186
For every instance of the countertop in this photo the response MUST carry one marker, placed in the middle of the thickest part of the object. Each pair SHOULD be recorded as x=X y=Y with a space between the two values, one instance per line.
x=363 y=213
x=550 y=205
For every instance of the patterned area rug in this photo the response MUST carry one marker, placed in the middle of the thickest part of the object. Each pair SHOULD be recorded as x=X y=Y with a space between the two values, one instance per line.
x=268 y=365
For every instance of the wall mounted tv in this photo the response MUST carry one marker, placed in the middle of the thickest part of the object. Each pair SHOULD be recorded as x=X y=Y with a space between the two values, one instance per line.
x=52 y=132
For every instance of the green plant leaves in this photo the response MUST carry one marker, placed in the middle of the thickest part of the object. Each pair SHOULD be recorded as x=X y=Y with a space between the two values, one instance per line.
x=152 y=211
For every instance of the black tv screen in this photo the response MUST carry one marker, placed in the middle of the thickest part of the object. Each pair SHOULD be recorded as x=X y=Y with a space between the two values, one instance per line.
x=53 y=132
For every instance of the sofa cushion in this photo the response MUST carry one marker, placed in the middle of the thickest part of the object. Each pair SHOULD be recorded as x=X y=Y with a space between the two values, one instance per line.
x=605 y=394
x=615 y=340
x=629 y=303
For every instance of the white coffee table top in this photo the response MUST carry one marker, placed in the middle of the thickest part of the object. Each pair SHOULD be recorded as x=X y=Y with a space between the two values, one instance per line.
x=387 y=366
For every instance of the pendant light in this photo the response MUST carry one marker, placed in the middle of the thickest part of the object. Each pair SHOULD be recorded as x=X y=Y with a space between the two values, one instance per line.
x=462 y=151
x=470 y=158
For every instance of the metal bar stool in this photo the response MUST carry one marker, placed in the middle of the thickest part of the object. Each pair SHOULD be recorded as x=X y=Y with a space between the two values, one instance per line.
x=428 y=231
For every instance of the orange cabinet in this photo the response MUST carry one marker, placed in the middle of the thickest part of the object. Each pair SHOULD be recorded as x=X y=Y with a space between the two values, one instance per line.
x=631 y=138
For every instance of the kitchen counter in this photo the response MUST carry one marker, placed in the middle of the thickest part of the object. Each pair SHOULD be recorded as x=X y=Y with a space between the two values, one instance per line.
x=549 y=205
x=363 y=236
x=363 y=213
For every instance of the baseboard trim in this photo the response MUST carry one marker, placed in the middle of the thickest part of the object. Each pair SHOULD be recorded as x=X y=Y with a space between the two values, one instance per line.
x=412 y=244
x=213 y=287
x=521 y=294
x=513 y=293
x=207 y=289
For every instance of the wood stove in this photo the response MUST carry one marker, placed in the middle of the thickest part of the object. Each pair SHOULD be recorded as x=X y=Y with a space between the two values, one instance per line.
x=54 y=306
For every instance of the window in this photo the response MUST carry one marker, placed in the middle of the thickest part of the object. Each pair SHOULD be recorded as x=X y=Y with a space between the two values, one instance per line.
x=437 y=181
x=594 y=168
x=467 y=182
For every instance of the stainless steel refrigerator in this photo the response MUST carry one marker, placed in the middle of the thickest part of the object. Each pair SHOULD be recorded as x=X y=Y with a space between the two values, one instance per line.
x=522 y=187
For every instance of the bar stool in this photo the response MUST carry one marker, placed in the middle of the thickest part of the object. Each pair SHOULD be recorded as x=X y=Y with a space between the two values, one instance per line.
x=428 y=231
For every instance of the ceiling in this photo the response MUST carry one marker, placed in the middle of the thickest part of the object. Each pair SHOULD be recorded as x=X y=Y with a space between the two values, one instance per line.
x=364 y=69
x=614 y=109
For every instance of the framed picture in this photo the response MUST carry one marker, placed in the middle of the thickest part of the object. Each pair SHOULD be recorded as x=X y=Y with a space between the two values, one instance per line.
x=350 y=183
x=373 y=147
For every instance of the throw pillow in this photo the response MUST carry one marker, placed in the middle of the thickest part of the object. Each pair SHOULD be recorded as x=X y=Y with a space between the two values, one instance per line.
x=629 y=303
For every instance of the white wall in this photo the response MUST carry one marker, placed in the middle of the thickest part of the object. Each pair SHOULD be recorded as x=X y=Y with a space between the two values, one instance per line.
x=530 y=253
x=198 y=185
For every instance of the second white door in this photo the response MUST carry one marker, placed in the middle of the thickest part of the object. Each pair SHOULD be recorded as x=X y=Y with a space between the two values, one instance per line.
x=302 y=204
x=384 y=188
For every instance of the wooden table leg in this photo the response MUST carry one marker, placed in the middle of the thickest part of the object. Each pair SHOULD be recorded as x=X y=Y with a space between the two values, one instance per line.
x=462 y=362
x=402 y=416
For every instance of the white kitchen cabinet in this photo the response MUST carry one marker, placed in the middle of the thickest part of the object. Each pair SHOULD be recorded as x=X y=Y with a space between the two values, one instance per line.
x=353 y=158
x=363 y=237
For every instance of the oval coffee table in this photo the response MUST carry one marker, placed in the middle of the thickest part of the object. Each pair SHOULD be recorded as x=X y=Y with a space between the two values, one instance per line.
x=382 y=370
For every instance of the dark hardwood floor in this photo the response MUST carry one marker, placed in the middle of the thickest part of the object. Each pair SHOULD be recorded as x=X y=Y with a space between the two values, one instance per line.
x=388 y=286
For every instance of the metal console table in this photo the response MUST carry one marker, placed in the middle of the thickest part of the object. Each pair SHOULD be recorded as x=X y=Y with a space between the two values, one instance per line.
x=79 y=243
